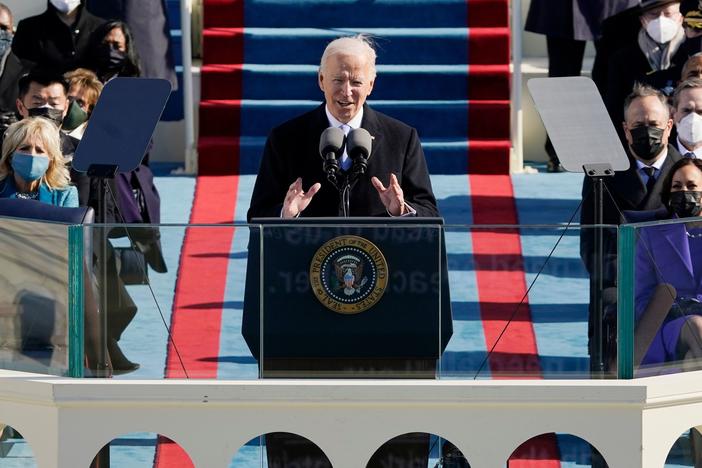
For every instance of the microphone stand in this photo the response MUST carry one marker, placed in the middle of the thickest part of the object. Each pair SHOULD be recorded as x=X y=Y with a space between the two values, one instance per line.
x=360 y=164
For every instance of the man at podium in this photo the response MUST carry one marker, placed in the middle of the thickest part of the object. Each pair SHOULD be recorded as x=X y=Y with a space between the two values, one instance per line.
x=291 y=181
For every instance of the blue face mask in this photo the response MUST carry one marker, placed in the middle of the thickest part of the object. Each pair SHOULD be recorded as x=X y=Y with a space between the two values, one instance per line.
x=29 y=167
x=5 y=41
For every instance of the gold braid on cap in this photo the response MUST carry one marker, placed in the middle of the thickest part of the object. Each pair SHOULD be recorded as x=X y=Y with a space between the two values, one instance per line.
x=693 y=19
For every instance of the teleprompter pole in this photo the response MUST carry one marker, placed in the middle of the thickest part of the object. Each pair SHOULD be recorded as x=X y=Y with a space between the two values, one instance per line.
x=102 y=172
x=597 y=172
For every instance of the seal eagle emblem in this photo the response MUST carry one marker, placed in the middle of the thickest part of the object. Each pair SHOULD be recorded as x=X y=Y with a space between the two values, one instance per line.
x=348 y=274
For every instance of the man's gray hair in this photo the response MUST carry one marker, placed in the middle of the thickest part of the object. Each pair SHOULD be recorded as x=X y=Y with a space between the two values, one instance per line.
x=360 y=45
x=643 y=90
x=691 y=83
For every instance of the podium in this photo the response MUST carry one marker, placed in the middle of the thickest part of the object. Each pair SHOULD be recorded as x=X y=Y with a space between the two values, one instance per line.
x=351 y=297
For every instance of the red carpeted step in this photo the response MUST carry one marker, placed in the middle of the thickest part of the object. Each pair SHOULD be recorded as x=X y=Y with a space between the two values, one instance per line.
x=223 y=13
x=489 y=156
x=220 y=82
x=489 y=82
x=488 y=46
x=218 y=155
x=488 y=120
x=222 y=45
x=220 y=117
x=488 y=13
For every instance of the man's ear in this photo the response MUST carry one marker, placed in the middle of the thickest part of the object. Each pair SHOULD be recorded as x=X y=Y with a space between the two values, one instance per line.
x=320 y=80
x=627 y=133
x=21 y=109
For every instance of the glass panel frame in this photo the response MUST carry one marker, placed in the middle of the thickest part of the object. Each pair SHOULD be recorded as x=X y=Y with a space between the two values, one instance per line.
x=659 y=296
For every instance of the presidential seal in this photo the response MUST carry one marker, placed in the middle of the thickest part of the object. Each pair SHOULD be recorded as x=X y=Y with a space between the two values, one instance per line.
x=348 y=274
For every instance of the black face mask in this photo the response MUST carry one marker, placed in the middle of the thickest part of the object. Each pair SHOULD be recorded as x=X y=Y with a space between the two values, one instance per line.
x=646 y=142
x=686 y=204
x=54 y=115
x=111 y=59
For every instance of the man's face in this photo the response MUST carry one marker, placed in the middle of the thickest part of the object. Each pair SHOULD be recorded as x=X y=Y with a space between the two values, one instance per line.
x=647 y=111
x=689 y=101
x=39 y=95
x=346 y=80
x=671 y=11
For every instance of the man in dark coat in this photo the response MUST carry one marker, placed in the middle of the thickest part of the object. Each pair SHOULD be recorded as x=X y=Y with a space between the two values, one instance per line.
x=655 y=57
x=291 y=182
x=647 y=129
x=396 y=182
x=58 y=38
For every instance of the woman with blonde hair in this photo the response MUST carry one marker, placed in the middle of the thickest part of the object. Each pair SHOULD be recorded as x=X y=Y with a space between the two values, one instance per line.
x=32 y=165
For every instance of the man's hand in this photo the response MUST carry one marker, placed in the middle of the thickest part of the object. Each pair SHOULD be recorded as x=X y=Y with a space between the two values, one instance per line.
x=391 y=196
x=296 y=200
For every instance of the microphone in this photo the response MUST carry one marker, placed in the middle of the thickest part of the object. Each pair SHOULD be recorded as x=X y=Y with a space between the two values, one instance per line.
x=358 y=146
x=331 y=141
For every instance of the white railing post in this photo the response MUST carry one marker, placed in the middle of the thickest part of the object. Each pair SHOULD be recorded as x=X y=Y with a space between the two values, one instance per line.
x=517 y=127
x=186 y=9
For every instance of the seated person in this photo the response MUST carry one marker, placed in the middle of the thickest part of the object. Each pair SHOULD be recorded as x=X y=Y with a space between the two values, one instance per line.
x=692 y=68
x=672 y=254
x=84 y=89
x=32 y=165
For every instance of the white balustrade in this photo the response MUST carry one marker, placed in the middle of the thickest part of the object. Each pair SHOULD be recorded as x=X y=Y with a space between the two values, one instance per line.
x=632 y=423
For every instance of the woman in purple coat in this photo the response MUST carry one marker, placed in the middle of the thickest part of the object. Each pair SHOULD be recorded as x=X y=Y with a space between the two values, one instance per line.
x=672 y=254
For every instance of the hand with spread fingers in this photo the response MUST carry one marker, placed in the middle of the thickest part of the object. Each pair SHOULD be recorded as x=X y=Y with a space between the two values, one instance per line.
x=296 y=200
x=391 y=196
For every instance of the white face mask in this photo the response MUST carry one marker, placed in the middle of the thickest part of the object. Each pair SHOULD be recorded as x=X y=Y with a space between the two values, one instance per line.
x=690 y=129
x=662 y=29
x=65 y=6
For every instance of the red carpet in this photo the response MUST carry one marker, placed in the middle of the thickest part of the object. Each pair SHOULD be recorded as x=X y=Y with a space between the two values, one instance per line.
x=197 y=307
x=501 y=287
x=171 y=455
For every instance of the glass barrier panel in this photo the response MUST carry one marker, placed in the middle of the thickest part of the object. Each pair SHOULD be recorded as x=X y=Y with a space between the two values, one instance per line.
x=272 y=300
x=174 y=298
x=524 y=302
x=662 y=294
x=36 y=309
x=362 y=299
